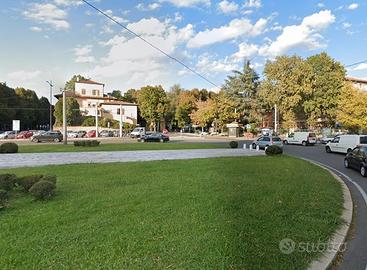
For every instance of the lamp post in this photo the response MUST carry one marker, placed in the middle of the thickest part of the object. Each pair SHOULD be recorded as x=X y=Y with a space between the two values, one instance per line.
x=51 y=85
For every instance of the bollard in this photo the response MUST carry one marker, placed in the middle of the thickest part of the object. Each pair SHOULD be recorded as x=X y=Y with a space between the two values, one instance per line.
x=244 y=146
x=250 y=147
x=257 y=148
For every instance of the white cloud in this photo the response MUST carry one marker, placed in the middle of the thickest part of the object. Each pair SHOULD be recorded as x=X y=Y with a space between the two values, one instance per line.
x=207 y=65
x=362 y=66
x=82 y=54
x=68 y=2
x=253 y=4
x=23 y=75
x=134 y=62
x=246 y=50
x=36 y=29
x=187 y=3
x=48 y=14
x=107 y=28
x=152 y=6
x=321 y=5
x=227 y=7
x=236 y=28
x=346 y=25
x=306 y=35
x=353 y=6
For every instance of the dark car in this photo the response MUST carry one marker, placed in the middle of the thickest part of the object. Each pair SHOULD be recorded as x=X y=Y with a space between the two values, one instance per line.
x=48 y=136
x=356 y=159
x=154 y=137
x=106 y=133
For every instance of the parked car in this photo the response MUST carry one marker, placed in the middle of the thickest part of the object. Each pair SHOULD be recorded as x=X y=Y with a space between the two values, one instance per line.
x=327 y=138
x=106 y=133
x=137 y=132
x=48 y=136
x=356 y=159
x=72 y=134
x=24 y=135
x=91 y=134
x=154 y=137
x=81 y=133
x=265 y=141
x=345 y=143
x=301 y=137
x=8 y=135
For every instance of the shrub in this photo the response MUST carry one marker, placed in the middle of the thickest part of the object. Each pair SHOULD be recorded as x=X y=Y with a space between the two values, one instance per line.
x=3 y=199
x=273 y=150
x=233 y=144
x=26 y=182
x=8 y=148
x=88 y=143
x=50 y=178
x=43 y=190
x=7 y=181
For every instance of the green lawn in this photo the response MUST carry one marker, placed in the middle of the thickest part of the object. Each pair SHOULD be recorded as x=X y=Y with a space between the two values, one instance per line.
x=43 y=148
x=223 y=213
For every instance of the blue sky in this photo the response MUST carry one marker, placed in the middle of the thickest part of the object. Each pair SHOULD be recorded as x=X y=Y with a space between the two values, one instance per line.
x=54 y=39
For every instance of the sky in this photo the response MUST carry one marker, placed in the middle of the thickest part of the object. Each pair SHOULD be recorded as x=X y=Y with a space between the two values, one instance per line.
x=55 y=39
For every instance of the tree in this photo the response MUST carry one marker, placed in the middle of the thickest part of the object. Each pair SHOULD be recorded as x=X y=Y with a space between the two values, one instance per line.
x=287 y=83
x=242 y=88
x=185 y=105
x=204 y=114
x=328 y=79
x=73 y=116
x=224 y=110
x=152 y=101
x=131 y=96
x=352 y=110
x=116 y=94
x=70 y=85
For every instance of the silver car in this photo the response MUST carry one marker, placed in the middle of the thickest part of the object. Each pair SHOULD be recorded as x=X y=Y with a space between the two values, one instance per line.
x=265 y=141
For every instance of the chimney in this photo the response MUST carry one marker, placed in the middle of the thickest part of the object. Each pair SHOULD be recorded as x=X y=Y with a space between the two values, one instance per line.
x=77 y=78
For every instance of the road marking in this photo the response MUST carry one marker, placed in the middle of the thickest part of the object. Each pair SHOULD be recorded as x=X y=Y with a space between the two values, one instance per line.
x=364 y=195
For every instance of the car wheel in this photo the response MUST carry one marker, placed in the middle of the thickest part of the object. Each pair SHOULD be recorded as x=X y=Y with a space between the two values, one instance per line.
x=349 y=150
x=35 y=140
x=254 y=146
x=142 y=140
x=304 y=143
x=161 y=140
x=346 y=163
x=363 y=171
x=56 y=140
x=285 y=142
x=328 y=150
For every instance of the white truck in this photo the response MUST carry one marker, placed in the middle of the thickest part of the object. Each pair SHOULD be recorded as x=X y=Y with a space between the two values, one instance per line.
x=137 y=132
x=301 y=137
x=345 y=143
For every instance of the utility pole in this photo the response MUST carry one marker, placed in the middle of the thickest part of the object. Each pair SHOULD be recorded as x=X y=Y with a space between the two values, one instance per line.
x=276 y=118
x=120 y=121
x=64 y=116
x=51 y=85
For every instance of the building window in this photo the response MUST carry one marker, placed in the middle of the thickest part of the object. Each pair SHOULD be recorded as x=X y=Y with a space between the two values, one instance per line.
x=118 y=111
x=94 y=92
x=83 y=91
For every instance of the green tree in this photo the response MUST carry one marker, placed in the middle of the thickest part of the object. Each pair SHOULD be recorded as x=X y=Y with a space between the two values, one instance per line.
x=204 y=114
x=352 y=109
x=242 y=88
x=185 y=105
x=172 y=101
x=152 y=101
x=327 y=82
x=116 y=94
x=224 y=110
x=73 y=116
x=287 y=83
x=70 y=85
x=131 y=96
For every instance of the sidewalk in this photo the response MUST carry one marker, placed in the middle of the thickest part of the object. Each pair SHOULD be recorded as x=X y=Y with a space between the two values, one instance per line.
x=41 y=159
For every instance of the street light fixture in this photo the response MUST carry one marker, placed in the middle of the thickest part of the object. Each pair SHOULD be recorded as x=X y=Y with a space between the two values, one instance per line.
x=51 y=85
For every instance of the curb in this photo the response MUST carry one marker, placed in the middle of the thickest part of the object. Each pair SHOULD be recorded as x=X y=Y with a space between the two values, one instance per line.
x=339 y=237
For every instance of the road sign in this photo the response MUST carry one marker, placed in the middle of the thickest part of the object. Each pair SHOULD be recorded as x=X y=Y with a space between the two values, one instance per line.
x=16 y=125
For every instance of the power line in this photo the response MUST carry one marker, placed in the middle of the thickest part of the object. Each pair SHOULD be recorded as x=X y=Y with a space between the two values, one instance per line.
x=354 y=64
x=150 y=44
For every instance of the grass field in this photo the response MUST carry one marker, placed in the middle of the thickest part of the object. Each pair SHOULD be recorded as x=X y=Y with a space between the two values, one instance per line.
x=45 y=148
x=223 y=213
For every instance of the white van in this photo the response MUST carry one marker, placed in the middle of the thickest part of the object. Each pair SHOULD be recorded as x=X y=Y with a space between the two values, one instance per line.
x=345 y=143
x=301 y=137
x=137 y=132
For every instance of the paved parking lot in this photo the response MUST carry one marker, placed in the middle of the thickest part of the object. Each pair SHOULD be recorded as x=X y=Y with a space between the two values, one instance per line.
x=40 y=159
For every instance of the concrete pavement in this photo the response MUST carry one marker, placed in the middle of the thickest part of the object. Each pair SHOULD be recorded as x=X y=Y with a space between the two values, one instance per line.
x=41 y=159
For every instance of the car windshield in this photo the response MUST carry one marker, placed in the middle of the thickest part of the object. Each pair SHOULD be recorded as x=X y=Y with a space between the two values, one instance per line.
x=363 y=140
x=276 y=139
x=312 y=135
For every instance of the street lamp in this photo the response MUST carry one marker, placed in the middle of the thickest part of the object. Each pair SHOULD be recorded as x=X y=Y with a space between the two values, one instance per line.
x=51 y=85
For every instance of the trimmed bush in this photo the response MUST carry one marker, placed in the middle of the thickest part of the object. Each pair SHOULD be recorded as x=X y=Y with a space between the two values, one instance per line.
x=273 y=150
x=88 y=143
x=26 y=182
x=3 y=198
x=49 y=178
x=43 y=190
x=9 y=147
x=7 y=181
x=233 y=144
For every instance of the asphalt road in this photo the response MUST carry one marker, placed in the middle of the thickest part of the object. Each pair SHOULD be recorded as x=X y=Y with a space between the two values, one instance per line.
x=355 y=256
